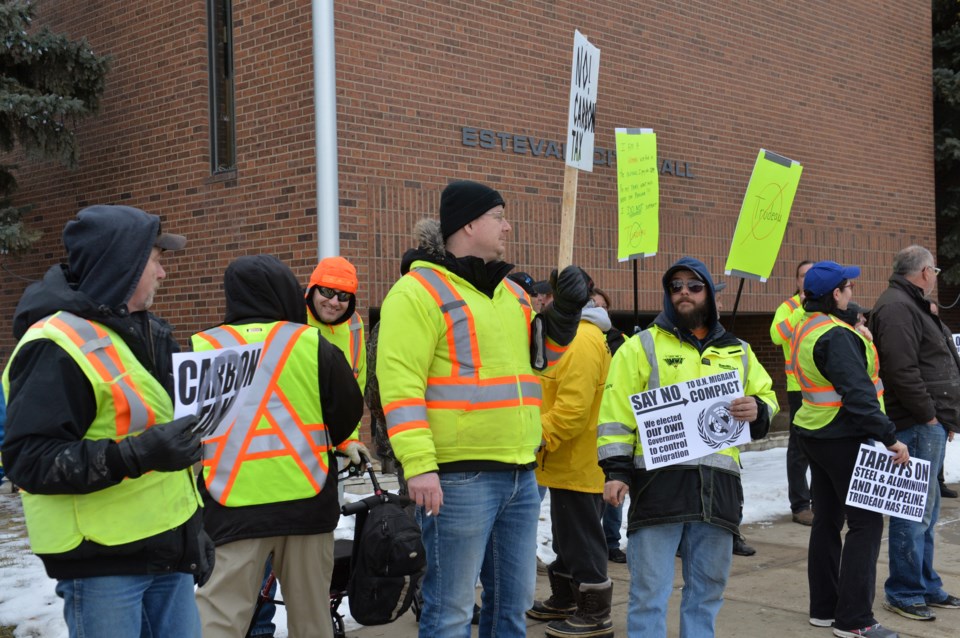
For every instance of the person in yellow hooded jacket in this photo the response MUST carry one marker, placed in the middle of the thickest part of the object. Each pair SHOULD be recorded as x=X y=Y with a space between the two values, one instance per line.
x=580 y=591
x=458 y=352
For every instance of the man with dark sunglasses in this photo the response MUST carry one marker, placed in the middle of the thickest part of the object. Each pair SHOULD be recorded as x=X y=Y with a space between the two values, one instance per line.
x=693 y=507
x=331 y=303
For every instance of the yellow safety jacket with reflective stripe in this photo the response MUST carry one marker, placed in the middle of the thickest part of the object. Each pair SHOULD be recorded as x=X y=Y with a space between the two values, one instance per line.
x=821 y=402
x=350 y=339
x=657 y=358
x=277 y=447
x=781 y=330
x=129 y=400
x=454 y=370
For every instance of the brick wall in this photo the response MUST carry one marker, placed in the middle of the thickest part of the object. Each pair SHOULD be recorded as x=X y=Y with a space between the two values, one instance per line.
x=843 y=88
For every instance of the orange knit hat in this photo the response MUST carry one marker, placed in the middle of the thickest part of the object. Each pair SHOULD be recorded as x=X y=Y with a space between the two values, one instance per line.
x=335 y=272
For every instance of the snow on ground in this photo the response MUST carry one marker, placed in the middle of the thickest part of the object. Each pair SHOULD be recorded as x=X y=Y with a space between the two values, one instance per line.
x=28 y=601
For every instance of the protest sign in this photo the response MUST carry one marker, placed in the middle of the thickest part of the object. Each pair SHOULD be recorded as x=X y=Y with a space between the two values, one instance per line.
x=880 y=486
x=212 y=384
x=685 y=421
x=763 y=216
x=582 y=119
x=638 y=193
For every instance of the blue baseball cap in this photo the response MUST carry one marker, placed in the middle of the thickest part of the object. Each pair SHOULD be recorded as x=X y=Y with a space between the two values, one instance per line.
x=824 y=276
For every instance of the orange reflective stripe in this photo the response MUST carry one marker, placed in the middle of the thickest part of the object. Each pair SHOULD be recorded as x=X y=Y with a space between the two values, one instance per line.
x=461 y=335
x=554 y=352
x=450 y=393
x=793 y=303
x=286 y=435
x=521 y=296
x=355 y=326
x=132 y=412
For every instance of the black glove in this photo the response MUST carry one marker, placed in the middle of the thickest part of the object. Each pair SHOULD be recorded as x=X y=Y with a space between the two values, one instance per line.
x=208 y=558
x=570 y=290
x=167 y=447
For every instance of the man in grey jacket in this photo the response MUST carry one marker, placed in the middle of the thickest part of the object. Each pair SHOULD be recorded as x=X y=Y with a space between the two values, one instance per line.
x=920 y=370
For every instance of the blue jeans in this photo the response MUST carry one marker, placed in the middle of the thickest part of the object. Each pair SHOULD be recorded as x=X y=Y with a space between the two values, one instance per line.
x=141 y=606
x=612 y=520
x=263 y=622
x=706 y=551
x=913 y=580
x=487 y=527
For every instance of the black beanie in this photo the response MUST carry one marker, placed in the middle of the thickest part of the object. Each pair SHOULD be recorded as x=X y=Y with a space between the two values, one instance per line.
x=462 y=202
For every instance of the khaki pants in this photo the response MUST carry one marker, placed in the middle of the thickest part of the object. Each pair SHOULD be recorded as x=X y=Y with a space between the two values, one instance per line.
x=303 y=565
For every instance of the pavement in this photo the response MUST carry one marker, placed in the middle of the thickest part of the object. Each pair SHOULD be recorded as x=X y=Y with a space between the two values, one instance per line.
x=767 y=593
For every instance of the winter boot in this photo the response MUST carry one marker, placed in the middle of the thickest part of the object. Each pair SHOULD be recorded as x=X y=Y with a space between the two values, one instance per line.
x=561 y=602
x=592 y=616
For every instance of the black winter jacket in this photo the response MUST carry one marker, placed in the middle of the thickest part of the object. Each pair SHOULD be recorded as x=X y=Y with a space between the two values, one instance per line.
x=919 y=365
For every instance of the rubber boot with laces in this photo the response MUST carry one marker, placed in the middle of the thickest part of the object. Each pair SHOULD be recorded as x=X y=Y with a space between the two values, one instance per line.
x=561 y=602
x=592 y=616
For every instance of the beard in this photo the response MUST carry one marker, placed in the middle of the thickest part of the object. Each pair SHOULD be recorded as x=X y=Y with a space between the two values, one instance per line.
x=692 y=318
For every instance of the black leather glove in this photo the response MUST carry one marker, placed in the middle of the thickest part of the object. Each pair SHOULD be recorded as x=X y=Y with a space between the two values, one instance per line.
x=208 y=558
x=570 y=290
x=166 y=447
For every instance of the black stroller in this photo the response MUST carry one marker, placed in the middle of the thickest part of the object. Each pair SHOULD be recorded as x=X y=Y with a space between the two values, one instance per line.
x=347 y=558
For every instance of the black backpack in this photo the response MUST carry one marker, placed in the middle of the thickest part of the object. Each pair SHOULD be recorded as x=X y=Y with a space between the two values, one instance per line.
x=388 y=560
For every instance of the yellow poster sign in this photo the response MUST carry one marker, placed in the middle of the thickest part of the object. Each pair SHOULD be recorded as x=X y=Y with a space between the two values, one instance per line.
x=763 y=216
x=638 y=193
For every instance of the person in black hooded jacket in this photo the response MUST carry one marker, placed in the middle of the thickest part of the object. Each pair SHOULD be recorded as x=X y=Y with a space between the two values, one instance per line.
x=269 y=483
x=109 y=496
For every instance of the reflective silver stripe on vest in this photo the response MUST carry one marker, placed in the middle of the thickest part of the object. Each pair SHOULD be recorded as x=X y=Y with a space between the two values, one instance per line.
x=225 y=337
x=355 y=326
x=717 y=460
x=614 y=449
x=518 y=291
x=406 y=414
x=821 y=397
x=613 y=428
x=454 y=307
x=722 y=461
x=96 y=347
x=282 y=335
x=818 y=397
x=646 y=340
x=477 y=394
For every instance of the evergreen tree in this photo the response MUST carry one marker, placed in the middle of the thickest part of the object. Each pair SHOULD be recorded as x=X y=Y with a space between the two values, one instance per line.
x=47 y=84
x=946 y=126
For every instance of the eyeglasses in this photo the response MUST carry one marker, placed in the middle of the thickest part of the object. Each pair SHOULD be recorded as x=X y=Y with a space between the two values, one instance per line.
x=936 y=271
x=330 y=293
x=692 y=285
x=849 y=284
x=498 y=216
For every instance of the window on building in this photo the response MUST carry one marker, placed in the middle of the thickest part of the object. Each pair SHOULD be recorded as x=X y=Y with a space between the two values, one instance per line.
x=223 y=149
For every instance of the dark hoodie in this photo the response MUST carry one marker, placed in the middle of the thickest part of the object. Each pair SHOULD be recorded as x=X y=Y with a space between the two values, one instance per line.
x=261 y=289
x=51 y=402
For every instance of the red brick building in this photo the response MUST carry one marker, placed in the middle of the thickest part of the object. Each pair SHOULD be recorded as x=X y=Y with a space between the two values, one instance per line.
x=433 y=90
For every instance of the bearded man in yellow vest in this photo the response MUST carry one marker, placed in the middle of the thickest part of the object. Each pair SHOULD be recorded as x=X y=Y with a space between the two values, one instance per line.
x=692 y=507
x=458 y=348
x=269 y=480
x=108 y=494
x=838 y=372
x=332 y=309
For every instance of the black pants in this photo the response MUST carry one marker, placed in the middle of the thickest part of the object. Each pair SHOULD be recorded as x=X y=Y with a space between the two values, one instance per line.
x=578 y=537
x=842 y=574
x=797 y=490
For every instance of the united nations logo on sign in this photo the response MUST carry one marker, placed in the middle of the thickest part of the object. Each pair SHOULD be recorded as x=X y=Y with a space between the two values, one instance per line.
x=717 y=426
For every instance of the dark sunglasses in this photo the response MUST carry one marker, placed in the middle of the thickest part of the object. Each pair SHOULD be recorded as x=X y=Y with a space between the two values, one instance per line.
x=330 y=293
x=692 y=285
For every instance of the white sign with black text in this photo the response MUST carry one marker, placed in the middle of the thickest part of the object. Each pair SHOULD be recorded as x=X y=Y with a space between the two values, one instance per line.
x=685 y=421
x=880 y=486
x=212 y=384
x=582 y=116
